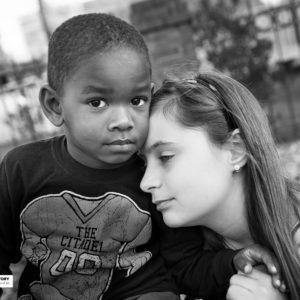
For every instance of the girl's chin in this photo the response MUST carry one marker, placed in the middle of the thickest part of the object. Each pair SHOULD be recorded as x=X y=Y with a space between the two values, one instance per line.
x=170 y=222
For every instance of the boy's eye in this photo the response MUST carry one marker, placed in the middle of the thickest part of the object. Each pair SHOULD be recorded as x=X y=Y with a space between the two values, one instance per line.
x=98 y=103
x=138 y=101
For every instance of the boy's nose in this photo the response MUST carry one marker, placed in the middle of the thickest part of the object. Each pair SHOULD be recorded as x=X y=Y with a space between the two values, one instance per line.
x=121 y=119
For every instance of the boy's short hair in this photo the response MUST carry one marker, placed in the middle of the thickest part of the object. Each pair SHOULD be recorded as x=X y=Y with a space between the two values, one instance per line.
x=84 y=35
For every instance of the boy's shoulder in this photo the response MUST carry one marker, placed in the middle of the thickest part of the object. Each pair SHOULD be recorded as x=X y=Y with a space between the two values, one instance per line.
x=31 y=150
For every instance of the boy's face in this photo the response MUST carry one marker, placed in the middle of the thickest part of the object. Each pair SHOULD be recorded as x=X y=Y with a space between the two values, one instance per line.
x=105 y=107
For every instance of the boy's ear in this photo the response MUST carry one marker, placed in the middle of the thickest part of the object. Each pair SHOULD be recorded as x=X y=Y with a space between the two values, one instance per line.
x=237 y=149
x=51 y=105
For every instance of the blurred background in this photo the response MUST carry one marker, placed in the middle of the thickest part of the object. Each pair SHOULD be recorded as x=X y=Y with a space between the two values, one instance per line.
x=255 y=41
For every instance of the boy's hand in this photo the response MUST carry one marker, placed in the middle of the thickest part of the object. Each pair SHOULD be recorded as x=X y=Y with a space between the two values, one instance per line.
x=255 y=254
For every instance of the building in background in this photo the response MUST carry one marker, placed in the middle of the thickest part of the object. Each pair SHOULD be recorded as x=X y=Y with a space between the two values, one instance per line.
x=167 y=28
x=278 y=23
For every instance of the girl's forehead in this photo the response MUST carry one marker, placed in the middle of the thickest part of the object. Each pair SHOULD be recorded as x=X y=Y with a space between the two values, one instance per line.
x=167 y=128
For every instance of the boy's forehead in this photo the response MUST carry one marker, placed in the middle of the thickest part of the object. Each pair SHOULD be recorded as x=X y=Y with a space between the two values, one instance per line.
x=122 y=59
x=118 y=69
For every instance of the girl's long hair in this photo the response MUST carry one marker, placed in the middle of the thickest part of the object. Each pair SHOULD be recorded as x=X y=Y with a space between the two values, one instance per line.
x=219 y=104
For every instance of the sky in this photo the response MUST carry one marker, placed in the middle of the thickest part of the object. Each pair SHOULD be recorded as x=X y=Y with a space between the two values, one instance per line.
x=11 y=38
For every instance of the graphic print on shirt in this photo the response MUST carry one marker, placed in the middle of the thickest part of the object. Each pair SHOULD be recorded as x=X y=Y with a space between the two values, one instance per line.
x=77 y=242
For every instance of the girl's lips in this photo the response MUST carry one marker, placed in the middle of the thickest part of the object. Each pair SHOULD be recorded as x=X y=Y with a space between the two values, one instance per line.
x=162 y=204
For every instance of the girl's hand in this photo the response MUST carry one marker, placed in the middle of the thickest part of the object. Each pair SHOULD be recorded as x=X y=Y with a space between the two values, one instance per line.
x=256 y=285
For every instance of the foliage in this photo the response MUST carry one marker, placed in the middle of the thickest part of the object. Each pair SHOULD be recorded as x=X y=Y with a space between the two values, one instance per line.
x=232 y=45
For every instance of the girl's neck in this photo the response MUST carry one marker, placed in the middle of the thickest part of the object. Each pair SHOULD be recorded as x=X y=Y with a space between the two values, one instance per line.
x=234 y=229
x=235 y=244
x=230 y=220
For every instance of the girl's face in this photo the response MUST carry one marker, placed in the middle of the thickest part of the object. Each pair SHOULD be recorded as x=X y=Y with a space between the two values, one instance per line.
x=190 y=179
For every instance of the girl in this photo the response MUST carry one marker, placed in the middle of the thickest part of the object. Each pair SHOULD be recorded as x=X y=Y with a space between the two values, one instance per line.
x=212 y=161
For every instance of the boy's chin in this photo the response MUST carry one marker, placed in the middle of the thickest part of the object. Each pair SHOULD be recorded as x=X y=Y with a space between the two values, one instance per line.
x=119 y=159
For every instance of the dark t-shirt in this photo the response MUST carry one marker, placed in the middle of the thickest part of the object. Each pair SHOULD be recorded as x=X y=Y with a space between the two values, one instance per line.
x=92 y=233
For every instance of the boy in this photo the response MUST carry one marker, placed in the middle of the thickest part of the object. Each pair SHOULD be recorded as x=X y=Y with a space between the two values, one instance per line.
x=73 y=202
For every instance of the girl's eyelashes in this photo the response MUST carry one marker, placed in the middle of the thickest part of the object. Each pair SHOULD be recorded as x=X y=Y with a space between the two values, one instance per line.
x=97 y=103
x=165 y=157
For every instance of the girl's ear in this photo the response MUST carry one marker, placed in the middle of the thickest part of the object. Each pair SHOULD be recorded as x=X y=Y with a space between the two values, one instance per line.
x=51 y=105
x=237 y=149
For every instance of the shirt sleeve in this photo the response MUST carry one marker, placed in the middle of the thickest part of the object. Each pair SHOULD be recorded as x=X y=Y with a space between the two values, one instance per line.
x=9 y=223
x=198 y=273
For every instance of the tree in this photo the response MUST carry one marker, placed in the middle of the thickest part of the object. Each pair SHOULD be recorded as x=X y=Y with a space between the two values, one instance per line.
x=42 y=12
x=232 y=45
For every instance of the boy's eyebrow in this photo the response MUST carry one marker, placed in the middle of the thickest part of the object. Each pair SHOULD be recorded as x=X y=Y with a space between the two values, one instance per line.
x=154 y=146
x=96 y=89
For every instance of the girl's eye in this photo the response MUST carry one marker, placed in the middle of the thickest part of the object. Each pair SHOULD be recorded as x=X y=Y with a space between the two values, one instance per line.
x=165 y=158
x=138 y=101
x=97 y=103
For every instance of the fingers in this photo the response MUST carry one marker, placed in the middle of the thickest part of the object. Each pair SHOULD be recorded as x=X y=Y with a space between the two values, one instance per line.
x=273 y=268
x=259 y=254
x=282 y=287
x=253 y=286
x=277 y=283
x=242 y=262
x=248 y=268
x=254 y=255
x=268 y=259
x=240 y=287
x=236 y=292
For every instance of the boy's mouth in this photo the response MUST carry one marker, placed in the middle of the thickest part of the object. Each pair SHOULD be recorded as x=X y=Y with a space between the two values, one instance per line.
x=121 y=142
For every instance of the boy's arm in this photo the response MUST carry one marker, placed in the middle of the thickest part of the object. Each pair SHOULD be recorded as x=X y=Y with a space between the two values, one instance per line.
x=8 y=219
x=206 y=273
x=256 y=255
x=198 y=273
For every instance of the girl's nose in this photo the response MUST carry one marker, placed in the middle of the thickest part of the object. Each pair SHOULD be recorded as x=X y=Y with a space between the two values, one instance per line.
x=150 y=181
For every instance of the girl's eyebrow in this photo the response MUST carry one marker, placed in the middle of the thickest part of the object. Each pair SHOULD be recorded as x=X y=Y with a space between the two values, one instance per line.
x=147 y=150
